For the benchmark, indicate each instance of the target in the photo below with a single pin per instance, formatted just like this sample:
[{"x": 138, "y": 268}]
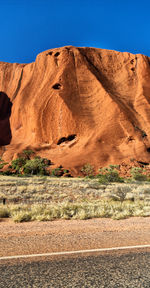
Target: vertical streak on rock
[{"x": 18, "y": 87}]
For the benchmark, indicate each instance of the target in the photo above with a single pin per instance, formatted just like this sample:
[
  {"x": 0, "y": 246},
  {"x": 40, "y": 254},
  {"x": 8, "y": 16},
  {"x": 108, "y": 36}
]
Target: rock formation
[{"x": 76, "y": 106}]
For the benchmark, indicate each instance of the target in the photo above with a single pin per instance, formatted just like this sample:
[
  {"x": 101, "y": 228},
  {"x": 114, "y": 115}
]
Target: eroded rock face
[{"x": 100, "y": 96}]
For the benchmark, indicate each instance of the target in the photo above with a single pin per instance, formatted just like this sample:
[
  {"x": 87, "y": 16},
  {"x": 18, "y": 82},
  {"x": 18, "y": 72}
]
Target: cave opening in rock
[
  {"x": 5, "y": 112},
  {"x": 66, "y": 139},
  {"x": 148, "y": 149},
  {"x": 61, "y": 140},
  {"x": 56, "y": 86},
  {"x": 71, "y": 137},
  {"x": 57, "y": 54},
  {"x": 50, "y": 53}
]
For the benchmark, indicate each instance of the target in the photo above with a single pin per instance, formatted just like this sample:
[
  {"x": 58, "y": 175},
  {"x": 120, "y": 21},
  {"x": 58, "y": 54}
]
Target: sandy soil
[{"x": 62, "y": 235}]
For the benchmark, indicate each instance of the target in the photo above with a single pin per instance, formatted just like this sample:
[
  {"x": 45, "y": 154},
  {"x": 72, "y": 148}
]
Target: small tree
[{"x": 35, "y": 166}]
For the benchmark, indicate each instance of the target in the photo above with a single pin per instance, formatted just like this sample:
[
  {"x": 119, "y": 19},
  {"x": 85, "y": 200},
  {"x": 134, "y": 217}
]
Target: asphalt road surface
[{"x": 118, "y": 269}]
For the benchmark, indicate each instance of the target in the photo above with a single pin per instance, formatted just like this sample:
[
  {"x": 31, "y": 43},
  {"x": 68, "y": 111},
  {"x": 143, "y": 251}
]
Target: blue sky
[{"x": 28, "y": 27}]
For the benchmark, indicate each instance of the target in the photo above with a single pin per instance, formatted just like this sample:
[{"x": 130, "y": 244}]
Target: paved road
[{"x": 130, "y": 269}]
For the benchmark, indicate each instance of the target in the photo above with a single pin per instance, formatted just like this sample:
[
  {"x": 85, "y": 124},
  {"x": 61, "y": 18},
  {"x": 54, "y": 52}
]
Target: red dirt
[
  {"x": 100, "y": 96},
  {"x": 63, "y": 235}
]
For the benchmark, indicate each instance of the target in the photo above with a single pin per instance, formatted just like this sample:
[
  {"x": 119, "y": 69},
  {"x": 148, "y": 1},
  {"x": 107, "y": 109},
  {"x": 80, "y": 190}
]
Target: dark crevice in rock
[
  {"x": 50, "y": 53},
  {"x": 66, "y": 139},
  {"x": 71, "y": 137},
  {"x": 143, "y": 163},
  {"x": 61, "y": 140},
  {"x": 130, "y": 138},
  {"x": 5, "y": 112},
  {"x": 132, "y": 61},
  {"x": 56, "y": 86},
  {"x": 143, "y": 133},
  {"x": 57, "y": 54}
]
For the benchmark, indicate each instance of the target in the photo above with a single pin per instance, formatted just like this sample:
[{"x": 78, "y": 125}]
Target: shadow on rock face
[{"x": 5, "y": 112}]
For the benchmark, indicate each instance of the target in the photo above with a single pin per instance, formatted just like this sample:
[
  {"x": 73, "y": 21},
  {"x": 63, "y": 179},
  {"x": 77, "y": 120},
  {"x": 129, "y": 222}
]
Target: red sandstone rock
[{"x": 100, "y": 97}]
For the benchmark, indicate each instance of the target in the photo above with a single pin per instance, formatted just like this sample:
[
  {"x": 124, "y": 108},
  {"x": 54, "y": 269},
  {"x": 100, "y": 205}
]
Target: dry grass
[
  {"x": 4, "y": 212},
  {"x": 71, "y": 199},
  {"x": 77, "y": 210},
  {"x": 46, "y": 189}
]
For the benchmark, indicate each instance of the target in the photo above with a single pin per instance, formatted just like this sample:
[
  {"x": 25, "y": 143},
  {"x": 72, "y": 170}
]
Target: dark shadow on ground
[{"x": 5, "y": 112}]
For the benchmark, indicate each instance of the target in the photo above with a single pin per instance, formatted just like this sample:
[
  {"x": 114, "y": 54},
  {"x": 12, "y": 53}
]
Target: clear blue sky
[{"x": 28, "y": 27}]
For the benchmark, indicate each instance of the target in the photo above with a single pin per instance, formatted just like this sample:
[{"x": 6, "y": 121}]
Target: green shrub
[
  {"x": 27, "y": 153},
  {"x": 88, "y": 170},
  {"x": 66, "y": 171},
  {"x": 113, "y": 166},
  {"x": 108, "y": 175},
  {"x": 57, "y": 172},
  {"x": 137, "y": 174},
  {"x": 35, "y": 166},
  {"x": 46, "y": 161},
  {"x": 7, "y": 172},
  {"x": 2, "y": 163},
  {"x": 30, "y": 166},
  {"x": 18, "y": 163},
  {"x": 102, "y": 179}
]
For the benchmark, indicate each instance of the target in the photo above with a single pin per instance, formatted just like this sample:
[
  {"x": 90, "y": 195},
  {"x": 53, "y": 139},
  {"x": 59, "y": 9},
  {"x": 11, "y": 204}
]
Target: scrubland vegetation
[
  {"x": 27, "y": 164},
  {"x": 77, "y": 210},
  {"x": 37, "y": 198}
]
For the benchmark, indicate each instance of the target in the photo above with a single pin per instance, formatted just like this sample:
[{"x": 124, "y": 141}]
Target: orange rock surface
[{"x": 76, "y": 106}]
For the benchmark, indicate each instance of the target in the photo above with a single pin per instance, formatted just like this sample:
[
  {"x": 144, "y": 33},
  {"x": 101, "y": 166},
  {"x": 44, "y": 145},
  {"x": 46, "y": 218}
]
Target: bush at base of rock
[
  {"x": 58, "y": 172},
  {"x": 25, "y": 165},
  {"x": 109, "y": 175},
  {"x": 18, "y": 163},
  {"x": 2, "y": 163},
  {"x": 87, "y": 170},
  {"x": 67, "y": 175},
  {"x": 35, "y": 167},
  {"x": 137, "y": 174}
]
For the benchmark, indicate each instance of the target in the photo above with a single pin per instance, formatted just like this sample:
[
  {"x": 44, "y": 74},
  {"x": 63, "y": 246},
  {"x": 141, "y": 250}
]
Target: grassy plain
[{"x": 47, "y": 199}]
